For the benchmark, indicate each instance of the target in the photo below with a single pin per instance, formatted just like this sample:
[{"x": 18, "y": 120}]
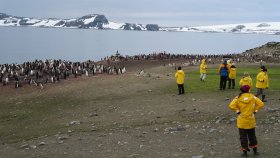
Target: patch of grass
[{"x": 193, "y": 83}]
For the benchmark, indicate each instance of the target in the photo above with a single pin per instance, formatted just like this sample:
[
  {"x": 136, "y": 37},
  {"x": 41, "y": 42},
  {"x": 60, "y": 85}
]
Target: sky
[{"x": 161, "y": 12}]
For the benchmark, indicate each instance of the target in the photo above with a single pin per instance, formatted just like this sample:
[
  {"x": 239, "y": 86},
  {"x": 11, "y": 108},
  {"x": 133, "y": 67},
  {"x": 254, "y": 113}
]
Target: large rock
[
  {"x": 152, "y": 27},
  {"x": 128, "y": 26},
  {"x": 3, "y": 15}
]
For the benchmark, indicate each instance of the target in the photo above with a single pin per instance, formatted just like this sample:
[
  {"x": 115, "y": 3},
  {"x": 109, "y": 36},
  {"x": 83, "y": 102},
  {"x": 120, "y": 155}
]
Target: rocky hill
[{"x": 270, "y": 49}]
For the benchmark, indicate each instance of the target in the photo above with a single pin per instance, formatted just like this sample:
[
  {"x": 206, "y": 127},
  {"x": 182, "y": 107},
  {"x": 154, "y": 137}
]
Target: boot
[
  {"x": 256, "y": 151},
  {"x": 244, "y": 154},
  {"x": 263, "y": 98}
]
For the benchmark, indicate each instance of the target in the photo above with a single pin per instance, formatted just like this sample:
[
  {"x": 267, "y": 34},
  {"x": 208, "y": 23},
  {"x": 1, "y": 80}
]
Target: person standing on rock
[
  {"x": 180, "y": 78},
  {"x": 223, "y": 72},
  {"x": 262, "y": 83},
  {"x": 231, "y": 76},
  {"x": 202, "y": 70},
  {"x": 246, "y": 105}
]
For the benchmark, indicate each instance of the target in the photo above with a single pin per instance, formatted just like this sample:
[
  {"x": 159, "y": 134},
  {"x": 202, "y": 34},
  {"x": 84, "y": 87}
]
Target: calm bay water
[{"x": 19, "y": 44}]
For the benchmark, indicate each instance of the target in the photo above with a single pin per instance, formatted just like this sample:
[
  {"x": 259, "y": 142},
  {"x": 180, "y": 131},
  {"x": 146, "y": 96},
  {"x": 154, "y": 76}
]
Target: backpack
[{"x": 224, "y": 71}]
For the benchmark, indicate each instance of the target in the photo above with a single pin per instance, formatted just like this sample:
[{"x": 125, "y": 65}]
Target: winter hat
[
  {"x": 225, "y": 61},
  {"x": 262, "y": 67},
  {"x": 245, "y": 88}
]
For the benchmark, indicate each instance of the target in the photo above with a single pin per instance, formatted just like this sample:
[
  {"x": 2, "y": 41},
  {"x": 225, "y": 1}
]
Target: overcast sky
[{"x": 162, "y": 12}]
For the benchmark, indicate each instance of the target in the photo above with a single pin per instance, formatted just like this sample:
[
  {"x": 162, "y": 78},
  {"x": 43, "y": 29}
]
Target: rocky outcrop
[
  {"x": 129, "y": 26},
  {"x": 270, "y": 49},
  {"x": 152, "y": 27},
  {"x": 238, "y": 28},
  {"x": 3, "y": 15}
]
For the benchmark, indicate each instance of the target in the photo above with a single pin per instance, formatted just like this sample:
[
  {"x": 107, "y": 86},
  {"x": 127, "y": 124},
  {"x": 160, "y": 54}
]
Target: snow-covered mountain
[
  {"x": 257, "y": 28},
  {"x": 91, "y": 21},
  {"x": 96, "y": 21}
]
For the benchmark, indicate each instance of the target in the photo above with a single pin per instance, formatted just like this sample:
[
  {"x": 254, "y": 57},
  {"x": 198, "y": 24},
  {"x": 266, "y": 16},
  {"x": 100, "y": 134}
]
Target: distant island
[{"x": 100, "y": 22}]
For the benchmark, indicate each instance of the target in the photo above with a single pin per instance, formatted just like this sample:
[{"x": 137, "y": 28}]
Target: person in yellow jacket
[
  {"x": 180, "y": 78},
  {"x": 202, "y": 70},
  {"x": 246, "y": 80},
  {"x": 262, "y": 83},
  {"x": 231, "y": 76},
  {"x": 246, "y": 105}
]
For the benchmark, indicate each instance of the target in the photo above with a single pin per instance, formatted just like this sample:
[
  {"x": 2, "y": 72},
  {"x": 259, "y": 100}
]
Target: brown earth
[{"x": 131, "y": 116}]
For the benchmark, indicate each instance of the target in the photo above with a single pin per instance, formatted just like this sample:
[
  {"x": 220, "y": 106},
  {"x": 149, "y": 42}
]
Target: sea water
[{"x": 19, "y": 44}]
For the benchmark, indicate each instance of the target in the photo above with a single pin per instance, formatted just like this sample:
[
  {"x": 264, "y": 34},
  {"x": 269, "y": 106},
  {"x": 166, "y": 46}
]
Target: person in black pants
[
  {"x": 223, "y": 72},
  {"x": 180, "y": 79},
  {"x": 246, "y": 105}
]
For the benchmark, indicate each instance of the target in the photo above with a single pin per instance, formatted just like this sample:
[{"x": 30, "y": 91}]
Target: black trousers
[
  {"x": 248, "y": 135},
  {"x": 181, "y": 89},
  {"x": 231, "y": 82},
  {"x": 223, "y": 82}
]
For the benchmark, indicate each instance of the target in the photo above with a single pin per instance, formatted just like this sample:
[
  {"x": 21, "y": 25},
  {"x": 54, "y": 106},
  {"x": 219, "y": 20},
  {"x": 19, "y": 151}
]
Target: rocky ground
[{"x": 133, "y": 115}]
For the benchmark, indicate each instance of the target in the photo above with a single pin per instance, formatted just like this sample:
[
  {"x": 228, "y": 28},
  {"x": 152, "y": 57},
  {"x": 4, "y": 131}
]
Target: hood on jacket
[
  {"x": 245, "y": 98},
  {"x": 246, "y": 78},
  {"x": 180, "y": 71},
  {"x": 203, "y": 61}
]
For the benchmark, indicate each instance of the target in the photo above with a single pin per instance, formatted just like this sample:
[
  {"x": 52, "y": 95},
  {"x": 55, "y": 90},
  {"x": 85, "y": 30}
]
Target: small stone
[
  {"x": 232, "y": 119},
  {"x": 93, "y": 114},
  {"x": 24, "y": 146},
  {"x": 212, "y": 130},
  {"x": 33, "y": 146},
  {"x": 156, "y": 129},
  {"x": 193, "y": 99},
  {"x": 200, "y": 156},
  {"x": 180, "y": 128},
  {"x": 62, "y": 137},
  {"x": 133, "y": 155},
  {"x": 75, "y": 122},
  {"x": 42, "y": 143}
]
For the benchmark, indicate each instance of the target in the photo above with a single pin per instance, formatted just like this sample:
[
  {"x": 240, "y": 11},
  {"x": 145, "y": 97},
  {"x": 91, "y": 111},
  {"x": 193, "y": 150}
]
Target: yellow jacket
[
  {"x": 180, "y": 76},
  {"x": 262, "y": 80},
  {"x": 232, "y": 73},
  {"x": 246, "y": 81},
  {"x": 203, "y": 67},
  {"x": 246, "y": 104}
]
